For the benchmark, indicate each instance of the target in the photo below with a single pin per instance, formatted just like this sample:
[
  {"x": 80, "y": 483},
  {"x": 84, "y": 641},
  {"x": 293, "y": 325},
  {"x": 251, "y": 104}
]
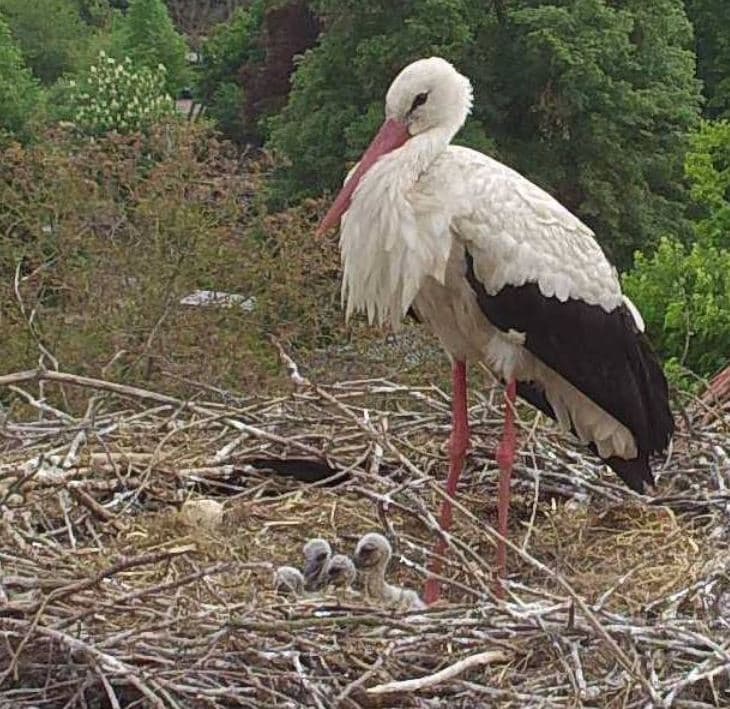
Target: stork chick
[
  {"x": 317, "y": 554},
  {"x": 372, "y": 555},
  {"x": 341, "y": 574},
  {"x": 288, "y": 581}
]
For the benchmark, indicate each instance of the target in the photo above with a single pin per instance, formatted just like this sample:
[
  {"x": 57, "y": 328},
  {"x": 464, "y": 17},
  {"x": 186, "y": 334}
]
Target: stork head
[
  {"x": 427, "y": 95},
  {"x": 372, "y": 551}
]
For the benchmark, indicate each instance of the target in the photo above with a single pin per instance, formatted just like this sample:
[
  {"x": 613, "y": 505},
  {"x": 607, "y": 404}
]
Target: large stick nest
[{"x": 108, "y": 597}]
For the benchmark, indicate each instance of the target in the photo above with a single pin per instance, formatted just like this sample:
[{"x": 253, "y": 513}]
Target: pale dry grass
[{"x": 614, "y": 599}]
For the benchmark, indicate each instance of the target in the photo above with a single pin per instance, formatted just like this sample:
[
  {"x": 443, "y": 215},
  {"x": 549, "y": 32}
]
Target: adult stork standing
[{"x": 503, "y": 274}]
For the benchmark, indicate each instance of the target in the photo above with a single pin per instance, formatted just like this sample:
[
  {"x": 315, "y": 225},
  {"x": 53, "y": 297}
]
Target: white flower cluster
[{"x": 119, "y": 96}]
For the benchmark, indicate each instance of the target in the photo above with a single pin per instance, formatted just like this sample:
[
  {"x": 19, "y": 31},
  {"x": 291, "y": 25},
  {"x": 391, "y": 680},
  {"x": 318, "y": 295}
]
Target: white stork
[{"x": 503, "y": 274}]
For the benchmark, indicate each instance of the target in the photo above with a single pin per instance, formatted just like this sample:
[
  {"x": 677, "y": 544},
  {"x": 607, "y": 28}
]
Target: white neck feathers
[{"x": 387, "y": 246}]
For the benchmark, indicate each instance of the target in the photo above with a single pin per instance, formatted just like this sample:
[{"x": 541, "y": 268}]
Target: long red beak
[{"x": 392, "y": 135}]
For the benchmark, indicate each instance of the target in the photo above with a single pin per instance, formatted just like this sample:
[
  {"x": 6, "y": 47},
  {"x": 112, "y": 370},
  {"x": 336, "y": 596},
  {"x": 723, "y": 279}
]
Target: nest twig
[{"x": 108, "y": 597}]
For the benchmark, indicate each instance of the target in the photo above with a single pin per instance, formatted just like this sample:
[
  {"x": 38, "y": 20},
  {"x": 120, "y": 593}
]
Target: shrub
[
  {"x": 684, "y": 295},
  {"x": 117, "y": 96},
  {"x": 111, "y": 234},
  {"x": 230, "y": 45},
  {"x": 225, "y": 107},
  {"x": 684, "y": 292},
  {"x": 95, "y": 13},
  {"x": 248, "y": 62}
]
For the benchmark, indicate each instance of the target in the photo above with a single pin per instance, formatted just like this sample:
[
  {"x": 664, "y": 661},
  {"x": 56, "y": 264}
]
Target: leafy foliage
[
  {"x": 196, "y": 18},
  {"x": 19, "y": 91},
  {"x": 601, "y": 117},
  {"x": 248, "y": 63},
  {"x": 112, "y": 233},
  {"x": 95, "y": 13},
  {"x": 230, "y": 46},
  {"x": 711, "y": 19},
  {"x": 151, "y": 39},
  {"x": 595, "y": 100},
  {"x": 589, "y": 98},
  {"x": 684, "y": 293},
  {"x": 337, "y": 92},
  {"x": 708, "y": 169},
  {"x": 117, "y": 96},
  {"x": 51, "y": 35}
]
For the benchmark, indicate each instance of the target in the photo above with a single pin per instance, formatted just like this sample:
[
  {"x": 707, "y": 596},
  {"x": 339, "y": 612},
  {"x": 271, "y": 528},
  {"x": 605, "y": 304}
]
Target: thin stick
[{"x": 448, "y": 673}]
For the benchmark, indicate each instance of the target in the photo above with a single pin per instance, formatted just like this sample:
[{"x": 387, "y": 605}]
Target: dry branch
[
  {"x": 108, "y": 597},
  {"x": 448, "y": 673}
]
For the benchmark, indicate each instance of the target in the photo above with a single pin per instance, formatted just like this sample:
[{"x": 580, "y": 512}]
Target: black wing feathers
[
  {"x": 601, "y": 353},
  {"x": 635, "y": 473}
]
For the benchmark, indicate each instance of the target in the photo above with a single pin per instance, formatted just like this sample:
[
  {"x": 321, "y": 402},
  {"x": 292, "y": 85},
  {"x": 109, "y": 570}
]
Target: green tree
[
  {"x": 231, "y": 45},
  {"x": 95, "y": 13},
  {"x": 711, "y": 19},
  {"x": 684, "y": 293},
  {"x": 708, "y": 169},
  {"x": 684, "y": 296},
  {"x": 247, "y": 63},
  {"x": 19, "y": 90},
  {"x": 592, "y": 99},
  {"x": 151, "y": 39},
  {"x": 337, "y": 93},
  {"x": 51, "y": 35}
]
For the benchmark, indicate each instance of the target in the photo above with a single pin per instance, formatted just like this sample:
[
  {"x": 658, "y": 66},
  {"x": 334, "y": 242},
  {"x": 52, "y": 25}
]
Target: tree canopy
[
  {"x": 708, "y": 169},
  {"x": 51, "y": 35},
  {"x": 711, "y": 20},
  {"x": 248, "y": 61},
  {"x": 684, "y": 292},
  {"x": 619, "y": 108},
  {"x": 150, "y": 39},
  {"x": 19, "y": 91},
  {"x": 590, "y": 99},
  {"x": 231, "y": 46}
]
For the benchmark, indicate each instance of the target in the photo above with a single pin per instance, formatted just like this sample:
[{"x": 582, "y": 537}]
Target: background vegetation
[{"x": 113, "y": 207}]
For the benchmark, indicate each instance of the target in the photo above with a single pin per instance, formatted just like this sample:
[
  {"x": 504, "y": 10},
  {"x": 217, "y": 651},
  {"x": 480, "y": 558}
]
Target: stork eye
[{"x": 419, "y": 101}]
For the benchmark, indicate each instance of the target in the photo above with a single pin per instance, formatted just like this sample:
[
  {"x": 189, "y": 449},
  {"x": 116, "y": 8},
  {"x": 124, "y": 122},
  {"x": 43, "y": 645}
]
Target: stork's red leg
[
  {"x": 457, "y": 452},
  {"x": 505, "y": 460}
]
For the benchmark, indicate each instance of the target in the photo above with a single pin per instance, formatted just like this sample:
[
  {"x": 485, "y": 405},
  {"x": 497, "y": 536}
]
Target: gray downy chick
[
  {"x": 288, "y": 581},
  {"x": 372, "y": 555},
  {"x": 317, "y": 554},
  {"x": 341, "y": 572}
]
